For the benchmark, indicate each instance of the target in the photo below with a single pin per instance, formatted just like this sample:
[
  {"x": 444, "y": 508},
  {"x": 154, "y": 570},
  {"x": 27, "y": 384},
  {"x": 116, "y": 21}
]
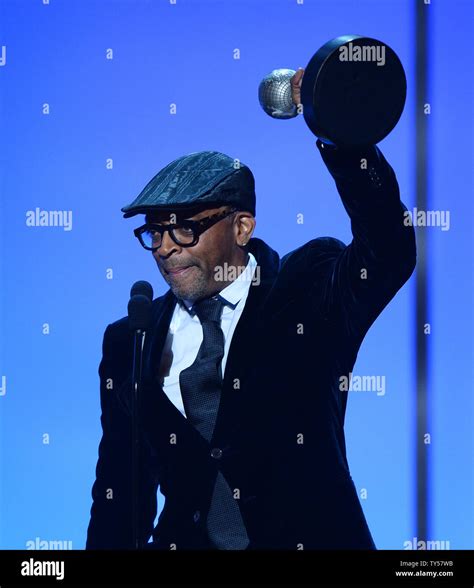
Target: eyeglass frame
[{"x": 198, "y": 227}]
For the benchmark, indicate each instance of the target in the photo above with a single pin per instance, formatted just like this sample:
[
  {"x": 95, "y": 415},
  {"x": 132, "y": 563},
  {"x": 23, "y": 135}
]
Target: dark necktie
[{"x": 201, "y": 386}]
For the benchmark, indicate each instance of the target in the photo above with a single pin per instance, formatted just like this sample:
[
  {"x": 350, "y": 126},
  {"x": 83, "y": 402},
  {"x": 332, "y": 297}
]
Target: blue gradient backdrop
[{"x": 119, "y": 109}]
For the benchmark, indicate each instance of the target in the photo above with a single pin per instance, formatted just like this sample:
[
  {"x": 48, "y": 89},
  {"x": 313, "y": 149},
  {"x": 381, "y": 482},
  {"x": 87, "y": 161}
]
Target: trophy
[{"x": 352, "y": 93}]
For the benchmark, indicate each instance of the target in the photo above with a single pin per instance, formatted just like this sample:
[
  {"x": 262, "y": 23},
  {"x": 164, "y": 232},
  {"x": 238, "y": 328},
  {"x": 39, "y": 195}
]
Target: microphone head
[
  {"x": 274, "y": 94},
  {"x": 139, "y": 312},
  {"x": 143, "y": 288}
]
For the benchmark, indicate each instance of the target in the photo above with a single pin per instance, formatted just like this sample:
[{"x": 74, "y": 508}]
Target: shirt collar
[{"x": 234, "y": 292}]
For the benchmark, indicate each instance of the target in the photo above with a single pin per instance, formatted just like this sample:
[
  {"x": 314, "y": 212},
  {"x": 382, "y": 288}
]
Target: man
[{"x": 242, "y": 412}]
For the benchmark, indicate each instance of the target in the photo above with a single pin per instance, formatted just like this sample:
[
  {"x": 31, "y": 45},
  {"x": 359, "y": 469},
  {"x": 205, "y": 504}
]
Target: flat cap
[{"x": 204, "y": 178}]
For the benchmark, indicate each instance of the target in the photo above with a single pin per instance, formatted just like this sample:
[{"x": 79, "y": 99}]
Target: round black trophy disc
[{"x": 353, "y": 91}]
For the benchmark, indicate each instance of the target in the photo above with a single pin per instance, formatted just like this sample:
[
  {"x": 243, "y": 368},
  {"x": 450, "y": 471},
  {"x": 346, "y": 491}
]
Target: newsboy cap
[{"x": 201, "y": 178}]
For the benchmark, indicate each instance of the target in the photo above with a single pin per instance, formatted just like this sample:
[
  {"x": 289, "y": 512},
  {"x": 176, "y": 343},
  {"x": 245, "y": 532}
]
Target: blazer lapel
[
  {"x": 156, "y": 337},
  {"x": 162, "y": 312},
  {"x": 246, "y": 338}
]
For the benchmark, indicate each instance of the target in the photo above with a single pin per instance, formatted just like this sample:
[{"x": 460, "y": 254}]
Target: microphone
[
  {"x": 139, "y": 319},
  {"x": 142, "y": 287},
  {"x": 139, "y": 306}
]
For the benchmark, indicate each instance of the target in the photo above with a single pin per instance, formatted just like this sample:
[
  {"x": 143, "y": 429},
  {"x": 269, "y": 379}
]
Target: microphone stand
[
  {"x": 139, "y": 317},
  {"x": 139, "y": 339}
]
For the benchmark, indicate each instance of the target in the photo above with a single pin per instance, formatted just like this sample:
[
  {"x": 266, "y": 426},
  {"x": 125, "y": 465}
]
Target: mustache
[{"x": 177, "y": 265}]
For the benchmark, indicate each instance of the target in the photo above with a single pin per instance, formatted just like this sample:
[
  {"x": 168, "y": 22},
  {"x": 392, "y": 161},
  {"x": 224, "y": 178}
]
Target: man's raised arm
[{"x": 352, "y": 285}]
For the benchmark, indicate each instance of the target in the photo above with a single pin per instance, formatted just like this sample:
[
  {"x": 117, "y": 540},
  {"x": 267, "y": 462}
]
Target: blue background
[{"x": 182, "y": 54}]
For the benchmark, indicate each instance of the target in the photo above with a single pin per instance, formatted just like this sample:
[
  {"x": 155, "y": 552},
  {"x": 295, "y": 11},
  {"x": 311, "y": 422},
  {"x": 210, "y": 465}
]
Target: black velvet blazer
[{"x": 281, "y": 419}]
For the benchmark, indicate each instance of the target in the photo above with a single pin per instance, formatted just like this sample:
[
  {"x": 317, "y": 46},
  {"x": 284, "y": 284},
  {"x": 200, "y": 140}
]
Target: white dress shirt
[{"x": 185, "y": 333}]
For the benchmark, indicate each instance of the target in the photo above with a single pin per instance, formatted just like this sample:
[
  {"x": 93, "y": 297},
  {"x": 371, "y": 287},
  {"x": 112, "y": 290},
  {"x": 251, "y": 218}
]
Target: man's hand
[{"x": 296, "y": 86}]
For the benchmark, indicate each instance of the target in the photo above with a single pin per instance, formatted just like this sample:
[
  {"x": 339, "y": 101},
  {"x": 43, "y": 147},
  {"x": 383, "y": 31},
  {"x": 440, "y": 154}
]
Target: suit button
[
  {"x": 216, "y": 453},
  {"x": 374, "y": 177},
  {"x": 196, "y": 516}
]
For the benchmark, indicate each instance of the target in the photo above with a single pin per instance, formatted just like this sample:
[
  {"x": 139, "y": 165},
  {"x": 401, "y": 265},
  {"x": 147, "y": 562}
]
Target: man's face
[{"x": 218, "y": 245}]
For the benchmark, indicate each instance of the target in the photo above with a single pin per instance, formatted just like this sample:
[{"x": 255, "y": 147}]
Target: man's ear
[{"x": 246, "y": 220}]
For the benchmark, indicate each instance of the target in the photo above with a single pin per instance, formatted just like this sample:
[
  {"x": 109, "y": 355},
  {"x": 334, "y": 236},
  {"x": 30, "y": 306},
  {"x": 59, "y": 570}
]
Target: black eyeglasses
[{"x": 185, "y": 234}]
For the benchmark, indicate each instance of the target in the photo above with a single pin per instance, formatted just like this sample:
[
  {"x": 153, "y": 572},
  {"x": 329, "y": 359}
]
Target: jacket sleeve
[
  {"x": 110, "y": 525},
  {"x": 352, "y": 284}
]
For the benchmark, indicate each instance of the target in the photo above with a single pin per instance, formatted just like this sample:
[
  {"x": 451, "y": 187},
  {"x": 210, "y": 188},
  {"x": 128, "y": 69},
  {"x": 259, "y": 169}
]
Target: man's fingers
[
  {"x": 295, "y": 86},
  {"x": 296, "y": 79}
]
